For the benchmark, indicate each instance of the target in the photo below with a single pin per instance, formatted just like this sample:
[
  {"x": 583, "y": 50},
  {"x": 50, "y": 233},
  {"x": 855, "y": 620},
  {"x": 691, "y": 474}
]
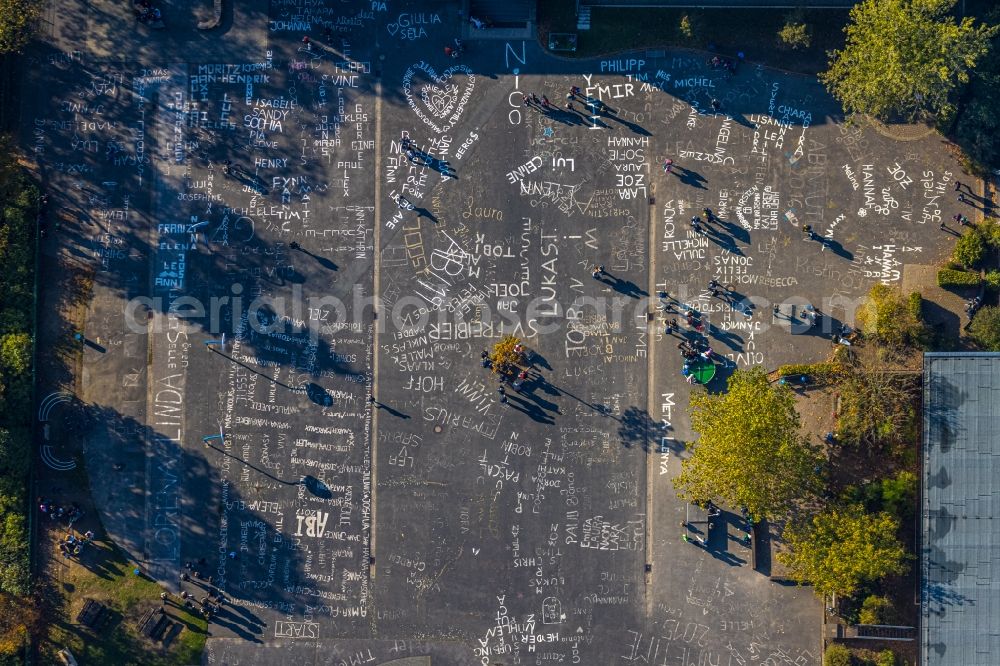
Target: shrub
[
  {"x": 796, "y": 33},
  {"x": 914, "y": 305},
  {"x": 984, "y": 328},
  {"x": 886, "y": 658},
  {"x": 877, "y": 610},
  {"x": 970, "y": 249},
  {"x": 951, "y": 278},
  {"x": 993, "y": 280},
  {"x": 837, "y": 655}
]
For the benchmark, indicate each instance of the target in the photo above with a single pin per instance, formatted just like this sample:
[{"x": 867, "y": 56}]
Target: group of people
[
  {"x": 146, "y": 13},
  {"x": 715, "y": 62},
  {"x": 208, "y": 604},
  {"x": 72, "y": 545},
  {"x": 454, "y": 51},
  {"x": 54, "y": 511}
]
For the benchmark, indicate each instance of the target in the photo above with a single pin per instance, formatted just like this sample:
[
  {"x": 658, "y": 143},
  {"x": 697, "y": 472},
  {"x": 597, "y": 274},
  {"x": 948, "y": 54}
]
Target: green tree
[
  {"x": 796, "y": 33},
  {"x": 19, "y": 620},
  {"x": 17, "y": 21},
  {"x": 904, "y": 57},
  {"x": 837, "y": 655},
  {"x": 877, "y": 610},
  {"x": 15, "y": 353},
  {"x": 970, "y": 249},
  {"x": 899, "y": 494},
  {"x": 877, "y": 407},
  {"x": 886, "y": 317},
  {"x": 15, "y": 452},
  {"x": 840, "y": 549},
  {"x": 985, "y": 328},
  {"x": 749, "y": 451},
  {"x": 505, "y": 357}
]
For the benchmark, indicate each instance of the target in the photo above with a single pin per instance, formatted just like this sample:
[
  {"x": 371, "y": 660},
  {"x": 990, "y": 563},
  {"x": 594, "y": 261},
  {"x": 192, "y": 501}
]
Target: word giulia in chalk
[
  {"x": 315, "y": 524},
  {"x": 411, "y": 26}
]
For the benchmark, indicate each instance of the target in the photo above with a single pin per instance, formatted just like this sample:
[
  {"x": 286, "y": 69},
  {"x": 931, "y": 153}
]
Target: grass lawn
[
  {"x": 725, "y": 31},
  {"x": 103, "y": 573}
]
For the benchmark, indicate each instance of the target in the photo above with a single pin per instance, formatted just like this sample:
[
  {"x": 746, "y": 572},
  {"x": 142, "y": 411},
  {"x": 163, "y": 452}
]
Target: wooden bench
[
  {"x": 93, "y": 614},
  {"x": 153, "y": 624},
  {"x": 215, "y": 19}
]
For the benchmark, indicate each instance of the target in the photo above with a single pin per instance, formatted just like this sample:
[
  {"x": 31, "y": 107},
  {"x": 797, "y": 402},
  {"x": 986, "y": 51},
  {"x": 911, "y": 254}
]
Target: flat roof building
[{"x": 960, "y": 510}]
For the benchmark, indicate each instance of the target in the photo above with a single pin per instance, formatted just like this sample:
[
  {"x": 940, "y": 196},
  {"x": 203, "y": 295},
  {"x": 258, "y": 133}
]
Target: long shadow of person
[
  {"x": 626, "y": 287},
  {"x": 322, "y": 261},
  {"x": 689, "y": 177}
]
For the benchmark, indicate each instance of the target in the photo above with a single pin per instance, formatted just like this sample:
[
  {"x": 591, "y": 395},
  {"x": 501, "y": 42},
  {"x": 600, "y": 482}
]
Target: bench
[
  {"x": 153, "y": 624},
  {"x": 93, "y": 614},
  {"x": 215, "y": 19}
]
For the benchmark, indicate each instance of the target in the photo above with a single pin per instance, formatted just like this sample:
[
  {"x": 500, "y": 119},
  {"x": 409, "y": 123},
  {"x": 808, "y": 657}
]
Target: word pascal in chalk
[{"x": 624, "y": 65}]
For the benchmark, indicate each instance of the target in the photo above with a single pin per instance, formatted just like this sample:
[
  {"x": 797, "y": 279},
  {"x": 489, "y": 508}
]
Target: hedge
[
  {"x": 815, "y": 371},
  {"x": 951, "y": 278},
  {"x": 993, "y": 280},
  {"x": 914, "y": 303}
]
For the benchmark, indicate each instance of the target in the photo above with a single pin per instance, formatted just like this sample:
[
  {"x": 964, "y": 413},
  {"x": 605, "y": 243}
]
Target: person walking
[
  {"x": 709, "y": 215},
  {"x": 308, "y": 43},
  {"x": 574, "y": 91},
  {"x": 668, "y": 165}
]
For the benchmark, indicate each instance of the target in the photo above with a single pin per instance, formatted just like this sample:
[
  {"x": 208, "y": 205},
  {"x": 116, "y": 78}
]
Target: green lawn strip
[
  {"x": 109, "y": 579},
  {"x": 725, "y": 31}
]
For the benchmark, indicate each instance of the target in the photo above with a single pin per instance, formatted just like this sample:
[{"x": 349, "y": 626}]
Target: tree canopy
[
  {"x": 886, "y": 316},
  {"x": 985, "y": 328},
  {"x": 749, "y": 452},
  {"x": 904, "y": 57},
  {"x": 840, "y": 549},
  {"x": 17, "y": 21}
]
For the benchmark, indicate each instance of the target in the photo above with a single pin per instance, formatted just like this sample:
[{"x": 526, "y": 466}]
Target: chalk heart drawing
[{"x": 443, "y": 100}]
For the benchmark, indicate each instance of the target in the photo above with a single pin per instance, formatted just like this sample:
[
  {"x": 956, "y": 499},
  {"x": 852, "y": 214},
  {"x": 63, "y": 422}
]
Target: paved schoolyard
[{"x": 436, "y": 520}]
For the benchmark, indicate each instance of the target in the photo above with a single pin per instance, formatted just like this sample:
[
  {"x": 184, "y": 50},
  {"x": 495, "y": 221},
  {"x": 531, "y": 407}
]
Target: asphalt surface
[{"x": 342, "y": 465}]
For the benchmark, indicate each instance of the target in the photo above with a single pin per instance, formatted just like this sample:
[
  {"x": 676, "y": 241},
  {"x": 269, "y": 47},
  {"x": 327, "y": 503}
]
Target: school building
[{"x": 960, "y": 499}]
